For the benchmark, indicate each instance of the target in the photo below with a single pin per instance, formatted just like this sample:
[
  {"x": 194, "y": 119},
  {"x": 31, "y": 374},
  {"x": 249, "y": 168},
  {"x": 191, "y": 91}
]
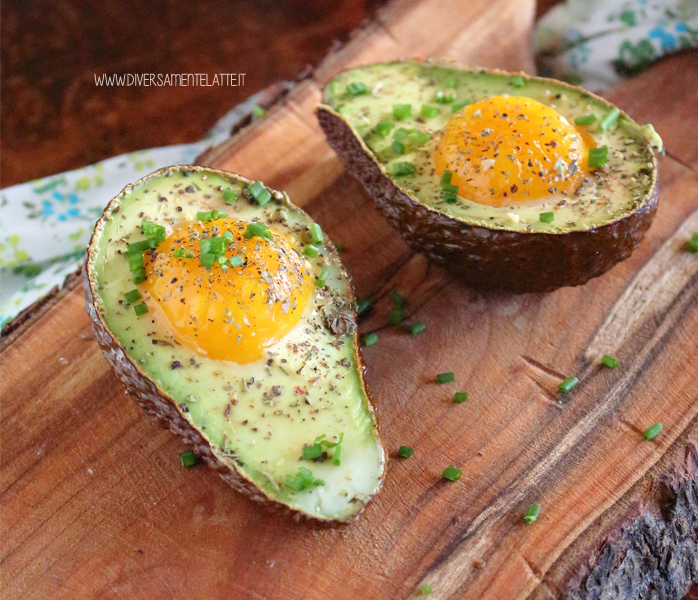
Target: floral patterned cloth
[
  {"x": 46, "y": 224},
  {"x": 594, "y": 43}
]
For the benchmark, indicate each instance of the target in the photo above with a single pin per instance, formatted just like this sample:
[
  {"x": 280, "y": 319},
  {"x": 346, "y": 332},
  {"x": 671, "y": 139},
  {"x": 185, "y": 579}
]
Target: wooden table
[{"x": 95, "y": 503}]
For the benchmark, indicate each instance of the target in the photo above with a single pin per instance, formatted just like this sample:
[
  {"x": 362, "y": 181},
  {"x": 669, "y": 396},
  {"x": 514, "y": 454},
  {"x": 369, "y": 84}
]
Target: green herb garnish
[
  {"x": 445, "y": 97},
  {"x": 140, "y": 246},
  {"x": 416, "y": 328},
  {"x": 311, "y": 251},
  {"x": 315, "y": 451},
  {"x": 182, "y": 253},
  {"x": 567, "y": 384},
  {"x": 132, "y": 296},
  {"x": 430, "y": 111},
  {"x": 396, "y": 316},
  {"x": 397, "y": 298},
  {"x": 425, "y": 590},
  {"x": 322, "y": 278},
  {"x": 692, "y": 245},
  {"x": 532, "y": 513},
  {"x": 236, "y": 261},
  {"x": 452, "y": 473},
  {"x": 140, "y": 309},
  {"x": 257, "y": 230},
  {"x": 517, "y": 82},
  {"x": 460, "y": 397},
  {"x": 257, "y": 111},
  {"x": 445, "y": 377},
  {"x": 402, "y": 111},
  {"x": 653, "y": 432},
  {"x": 446, "y": 177},
  {"x": 610, "y": 120},
  {"x": 609, "y": 361},
  {"x": 303, "y": 480},
  {"x": 259, "y": 192},
  {"x": 230, "y": 195},
  {"x": 547, "y": 217},
  {"x": 585, "y": 120},
  {"x": 383, "y": 128},
  {"x": 188, "y": 458},
  {"x": 357, "y": 88},
  {"x": 207, "y": 260},
  {"x": 598, "y": 157},
  {"x": 363, "y": 305},
  {"x": 316, "y": 234},
  {"x": 397, "y": 147},
  {"x": 405, "y": 451},
  {"x": 458, "y": 105},
  {"x": 401, "y": 169},
  {"x": 369, "y": 339}
]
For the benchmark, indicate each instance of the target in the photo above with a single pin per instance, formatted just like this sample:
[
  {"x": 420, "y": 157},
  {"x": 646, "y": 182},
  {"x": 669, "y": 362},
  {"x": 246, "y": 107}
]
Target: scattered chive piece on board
[{"x": 532, "y": 513}]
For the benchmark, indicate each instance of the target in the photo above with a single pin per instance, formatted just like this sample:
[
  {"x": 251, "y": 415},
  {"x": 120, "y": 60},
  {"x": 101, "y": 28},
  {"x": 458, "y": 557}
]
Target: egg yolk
[
  {"x": 231, "y": 314},
  {"x": 507, "y": 150}
]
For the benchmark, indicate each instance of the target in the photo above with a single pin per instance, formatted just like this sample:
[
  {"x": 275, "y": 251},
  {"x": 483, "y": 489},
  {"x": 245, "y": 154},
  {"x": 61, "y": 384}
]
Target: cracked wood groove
[{"x": 95, "y": 503}]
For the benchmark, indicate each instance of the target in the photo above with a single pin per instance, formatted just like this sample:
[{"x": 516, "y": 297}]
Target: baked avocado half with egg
[
  {"x": 226, "y": 312},
  {"x": 508, "y": 181}
]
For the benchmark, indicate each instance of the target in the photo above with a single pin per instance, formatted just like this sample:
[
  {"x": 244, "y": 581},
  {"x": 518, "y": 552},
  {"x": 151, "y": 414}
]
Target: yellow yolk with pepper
[
  {"x": 231, "y": 314},
  {"x": 507, "y": 150}
]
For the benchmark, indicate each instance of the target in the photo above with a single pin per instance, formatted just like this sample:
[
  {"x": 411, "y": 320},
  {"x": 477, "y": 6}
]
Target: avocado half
[
  {"x": 509, "y": 247},
  {"x": 295, "y": 428}
]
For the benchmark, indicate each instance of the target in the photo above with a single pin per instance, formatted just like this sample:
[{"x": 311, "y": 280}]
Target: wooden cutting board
[{"x": 95, "y": 503}]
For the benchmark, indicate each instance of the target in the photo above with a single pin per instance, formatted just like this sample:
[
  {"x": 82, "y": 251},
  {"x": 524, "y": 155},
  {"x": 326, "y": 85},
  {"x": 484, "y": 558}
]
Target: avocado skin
[
  {"x": 157, "y": 403},
  {"x": 513, "y": 261}
]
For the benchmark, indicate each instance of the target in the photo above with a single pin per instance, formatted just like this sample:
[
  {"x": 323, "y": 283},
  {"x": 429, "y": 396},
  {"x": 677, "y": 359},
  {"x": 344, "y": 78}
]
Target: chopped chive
[
  {"x": 450, "y": 197},
  {"x": 221, "y": 260},
  {"x": 339, "y": 248},
  {"x": 312, "y": 452},
  {"x": 259, "y": 192},
  {"x": 138, "y": 246},
  {"x": 446, "y": 177},
  {"x": 402, "y": 111},
  {"x": 357, "y": 88},
  {"x": 458, "y": 105},
  {"x": 203, "y": 216},
  {"x": 138, "y": 276},
  {"x": 445, "y": 377},
  {"x": 369, "y": 339},
  {"x": 257, "y": 111},
  {"x": 204, "y": 245},
  {"x": 397, "y": 298},
  {"x": 236, "y": 261},
  {"x": 228, "y": 236},
  {"x": 302, "y": 480},
  {"x": 337, "y": 456},
  {"x": 405, "y": 451},
  {"x": 398, "y": 147},
  {"x": 401, "y": 169},
  {"x": 363, "y": 306},
  {"x": 585, "y": 120},
  {"x": 316, "y": 234},
  {"x": 652, "y": 432},
  {"x": 217, "y": 245},
  {"x": 452, "y": 473},
  {"x": 419, "y": 137},
  {"x": 567, "y": 384},
  {"x": 547, "y": 217},
  {"x": 532, "y": 513},
  {"x": 140, "y": 309},
  {"x": 188, "y": 458},
  {"x": 430, "y": 111},
  {"x": 322, "y": 278},
  {"x": 400, "y": 134},
  {"x": 610, "y": 120},
  {"x": 425, "y": 590},
  {"x": 416, "y": 328},
  {"x": 182, "y": 253},
  {"x": 445, "y": 97},
  {"x": 153, "y": 231},
  {"x": 257, "y": 230},
  {"x": 692, "y": 244},
  {"x": 517, "y": 82},
  {"x": 230, "y": 195},
  {"x": 135, "y": 260},
  {"x": 598, "y": 157},
  {"x": 383, "y": 128},
  {"x": 311, "y": 251},
  {"x": 218, "y": 214},
  {"x": 449, "y": 188},
  {"x": 460, "y": 397},
  {"x": 132, "y": 296},
  {"x": 396, "y": 316},
  {"x": 207, "y": 260},
  {"x": 609, "y": 361}
]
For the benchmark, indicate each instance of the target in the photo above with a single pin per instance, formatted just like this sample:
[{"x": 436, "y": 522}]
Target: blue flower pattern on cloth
[{"x": 46, "y": 224}]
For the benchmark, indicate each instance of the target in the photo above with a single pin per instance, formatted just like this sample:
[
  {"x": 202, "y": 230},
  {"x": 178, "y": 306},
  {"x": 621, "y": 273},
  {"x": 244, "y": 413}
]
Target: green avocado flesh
[
  {"x": 365, "y": 97},
  {"x": 259, "y": 416}
]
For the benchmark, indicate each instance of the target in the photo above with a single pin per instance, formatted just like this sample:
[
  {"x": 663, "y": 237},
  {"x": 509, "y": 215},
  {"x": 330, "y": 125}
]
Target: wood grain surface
[{"x": 96, "y": 505}]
